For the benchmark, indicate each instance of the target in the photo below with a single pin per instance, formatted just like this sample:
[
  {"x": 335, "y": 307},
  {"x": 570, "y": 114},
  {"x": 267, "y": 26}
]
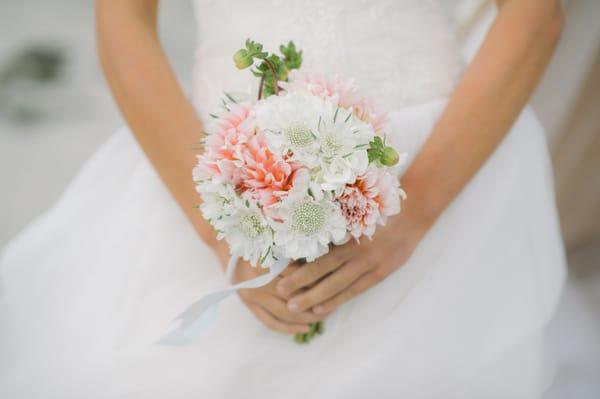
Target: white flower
[
  {"x": 217, "y": 198},
  {"x": 289, "y": 122},
  {"x": 329, "y": 140},
  {"x": 247, "y": 232},
  {"x": 344, "y": 141},
  {"x": 307, "y": 226},
  {"x": 340, "y": 134}
]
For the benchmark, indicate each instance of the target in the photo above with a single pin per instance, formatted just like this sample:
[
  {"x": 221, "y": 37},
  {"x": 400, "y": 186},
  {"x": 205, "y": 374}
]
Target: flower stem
[
  {"x": 271, "y": 67},
  {"x": 315, "y": 329},
  {"x": 260, "y": 86},
  {"x": 275, "y": 80}
]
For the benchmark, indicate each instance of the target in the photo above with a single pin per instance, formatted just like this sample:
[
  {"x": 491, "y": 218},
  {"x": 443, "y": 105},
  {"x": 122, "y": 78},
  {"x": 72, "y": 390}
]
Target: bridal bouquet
[{"x": 303, "y": 167}]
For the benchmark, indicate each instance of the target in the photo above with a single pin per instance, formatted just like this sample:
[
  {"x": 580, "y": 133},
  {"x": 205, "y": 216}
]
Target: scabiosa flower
[
  {"x": 370, "y": 200},
  {"x": 308, "y": 225},
  {"x": 247, "y": 232},
  {"x": 316, "y": 133},
  {"x": 289, "y": 123},
  {"x": 343, "y": 142}
]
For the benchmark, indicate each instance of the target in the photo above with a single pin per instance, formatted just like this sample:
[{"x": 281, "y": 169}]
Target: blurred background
[{"x": 55, "y": 110}]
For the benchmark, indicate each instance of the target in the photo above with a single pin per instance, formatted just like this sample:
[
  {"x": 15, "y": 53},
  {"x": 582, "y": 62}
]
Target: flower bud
[
  {"x": 389, "y": 156},
  {"x": 242, "y": 59}
]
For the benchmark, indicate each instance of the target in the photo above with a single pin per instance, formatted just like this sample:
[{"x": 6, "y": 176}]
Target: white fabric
[
  {"x": 401, "y": 51},
  {"x": 89, "y": 287},
  {"x": 201, "y": 315}
]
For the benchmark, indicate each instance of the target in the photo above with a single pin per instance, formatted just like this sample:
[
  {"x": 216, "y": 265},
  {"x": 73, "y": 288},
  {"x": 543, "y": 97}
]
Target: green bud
[
  {"x": 389, "y": 156},
  {"x": 242, "y": 59}
]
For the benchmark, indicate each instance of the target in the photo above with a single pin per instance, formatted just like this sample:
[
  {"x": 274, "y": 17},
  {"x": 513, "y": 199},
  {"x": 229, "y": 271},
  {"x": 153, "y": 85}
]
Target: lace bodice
[{"x": 401, "y": 51}]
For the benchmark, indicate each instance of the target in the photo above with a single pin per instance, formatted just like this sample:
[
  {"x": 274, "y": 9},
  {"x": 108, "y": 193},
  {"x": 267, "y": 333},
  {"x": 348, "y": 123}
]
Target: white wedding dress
[{"x": 89, "y": 287}]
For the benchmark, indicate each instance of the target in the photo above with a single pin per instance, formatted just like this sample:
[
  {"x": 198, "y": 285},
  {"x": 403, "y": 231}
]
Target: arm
[
  {"x": 166, "y": 126},
  {"x": 149, "y": 97},
  {"x": 488, "y": 99}
]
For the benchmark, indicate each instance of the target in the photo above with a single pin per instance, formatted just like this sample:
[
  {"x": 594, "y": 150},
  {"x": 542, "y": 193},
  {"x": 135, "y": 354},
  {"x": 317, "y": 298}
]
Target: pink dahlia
[
  {"x": 365, "y": 110},
  {"x": 345, "y": 93},
  {"x": 370, "y": 200},
  {"x": 220, "y": 159},
  {"x": 265, "y": 177},
  {"x": 319, "y": 85}
]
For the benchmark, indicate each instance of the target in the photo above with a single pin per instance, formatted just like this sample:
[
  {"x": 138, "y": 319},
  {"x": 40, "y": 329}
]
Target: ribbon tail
[{"x": 203, "y": 313}]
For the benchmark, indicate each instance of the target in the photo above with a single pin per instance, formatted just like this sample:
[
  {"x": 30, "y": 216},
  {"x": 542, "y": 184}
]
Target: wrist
[
  {"x": 424, "y": 203},
  {"x": 415, "y": 215}
]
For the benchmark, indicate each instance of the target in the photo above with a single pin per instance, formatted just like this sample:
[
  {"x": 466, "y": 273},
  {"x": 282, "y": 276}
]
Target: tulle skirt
[{"x": 89, "y": 287}]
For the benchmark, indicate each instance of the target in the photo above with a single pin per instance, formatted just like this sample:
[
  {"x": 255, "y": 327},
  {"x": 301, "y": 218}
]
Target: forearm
[
  {"x": 150, "y": 99},
  {"x": 486, "y": 102}
]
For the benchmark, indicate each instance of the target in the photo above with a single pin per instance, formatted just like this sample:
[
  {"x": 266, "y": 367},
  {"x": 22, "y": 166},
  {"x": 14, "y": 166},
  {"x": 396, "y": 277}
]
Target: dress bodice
[{"x": 403, "y": 52}]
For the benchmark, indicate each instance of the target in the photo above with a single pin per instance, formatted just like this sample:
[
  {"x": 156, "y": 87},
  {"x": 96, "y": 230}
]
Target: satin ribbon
[{"x": 203, "y": 313}]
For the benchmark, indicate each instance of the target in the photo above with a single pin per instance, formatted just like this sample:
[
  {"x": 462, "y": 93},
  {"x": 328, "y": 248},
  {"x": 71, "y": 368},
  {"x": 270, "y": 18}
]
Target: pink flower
[
  {"x": 265, "y": 177},
  {"x": 220, "y": 159},
  {"x": 345, "y": 93},
  {"x": 236, "y": 153},
  {"x": 370, "y": 200},
  {"x": 365, "y": 110}
]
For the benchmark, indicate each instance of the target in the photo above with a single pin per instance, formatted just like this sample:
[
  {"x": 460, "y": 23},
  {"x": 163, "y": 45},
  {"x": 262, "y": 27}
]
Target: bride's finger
[
  {"x": 280, "y": 310},
  {"x": 329, "y": 287},
  {"x": 291, "y": 268},
  {"x": 277, "y": 325},
  {"x": 365, "y": 282},
  {"x": 311, "y": 272}
]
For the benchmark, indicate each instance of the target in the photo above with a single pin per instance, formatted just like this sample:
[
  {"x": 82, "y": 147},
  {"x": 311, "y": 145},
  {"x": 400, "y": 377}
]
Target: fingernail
[{"x": 293, "y": 306}]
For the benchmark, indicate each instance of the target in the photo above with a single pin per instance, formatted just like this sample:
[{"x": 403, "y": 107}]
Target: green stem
[
  {"x": 262, "y": 79},
  {"x": 260, "y": 86},
  {"x": 275, "y": 80},
  {"x": 315, "y": 329}
]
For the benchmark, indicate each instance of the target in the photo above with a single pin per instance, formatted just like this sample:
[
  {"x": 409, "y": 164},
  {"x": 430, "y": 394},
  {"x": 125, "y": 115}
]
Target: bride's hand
[
  {"x": 268, "y": 306},
  {"x": 350, "y": 269}
]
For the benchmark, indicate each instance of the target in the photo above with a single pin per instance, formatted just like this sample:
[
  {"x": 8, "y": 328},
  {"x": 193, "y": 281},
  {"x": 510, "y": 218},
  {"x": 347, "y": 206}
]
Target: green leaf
[
  {"x": 262, "y": 260},
  {"x": 377, "y": 142},
  {"x": 292, "y": 57},
  {"x": 229, "y": 97},
  {"x": 348, "y": 117},
  {"x": 373, "y": 155}
]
